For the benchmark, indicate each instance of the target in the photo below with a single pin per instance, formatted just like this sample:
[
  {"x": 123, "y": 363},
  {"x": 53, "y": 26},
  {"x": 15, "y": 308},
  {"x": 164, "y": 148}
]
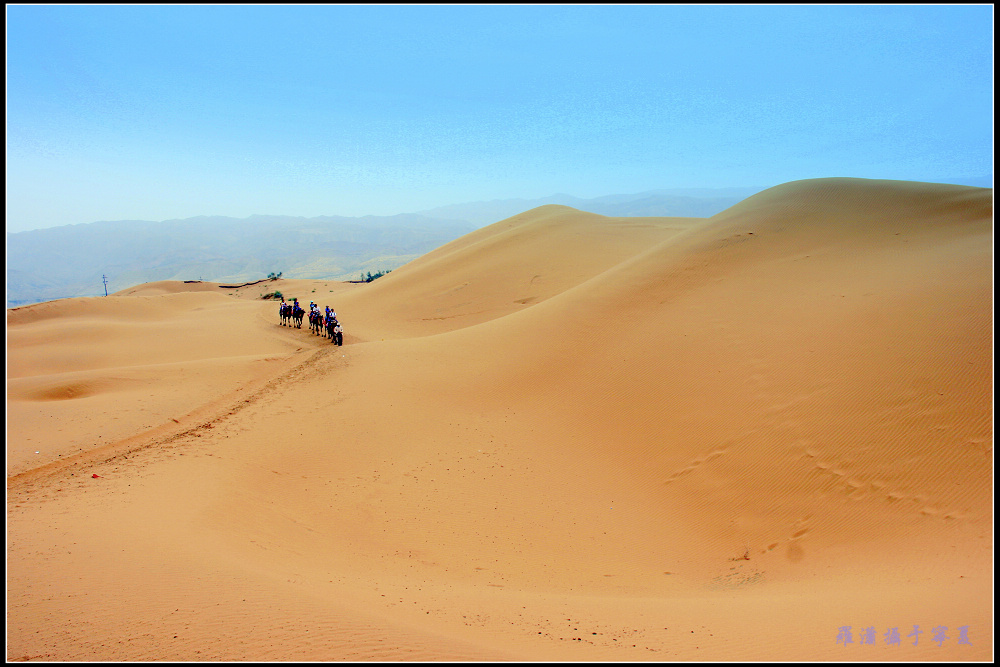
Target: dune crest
[{"x": 504, "y": 268}]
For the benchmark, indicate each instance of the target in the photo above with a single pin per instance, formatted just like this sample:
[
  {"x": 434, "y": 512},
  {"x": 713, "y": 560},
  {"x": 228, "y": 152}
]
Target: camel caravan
[{"x": 321, "y": 324}]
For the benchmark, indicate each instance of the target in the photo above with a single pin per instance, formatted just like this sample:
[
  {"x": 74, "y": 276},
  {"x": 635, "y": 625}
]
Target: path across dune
[{"x": 563, "y": 437}]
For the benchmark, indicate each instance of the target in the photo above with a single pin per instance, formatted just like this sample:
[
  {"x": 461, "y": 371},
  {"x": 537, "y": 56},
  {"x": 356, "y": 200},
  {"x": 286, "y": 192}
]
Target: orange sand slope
[{"x": 561, "y": 437}]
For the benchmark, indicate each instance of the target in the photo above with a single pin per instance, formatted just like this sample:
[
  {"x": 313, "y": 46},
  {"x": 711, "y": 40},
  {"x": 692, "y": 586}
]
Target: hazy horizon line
[{"x": 971, "y": 181}]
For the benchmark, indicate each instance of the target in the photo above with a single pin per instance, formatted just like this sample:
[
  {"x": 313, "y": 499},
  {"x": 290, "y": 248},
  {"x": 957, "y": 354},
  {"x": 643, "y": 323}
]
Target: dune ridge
[{"x": 561, "y": 437}]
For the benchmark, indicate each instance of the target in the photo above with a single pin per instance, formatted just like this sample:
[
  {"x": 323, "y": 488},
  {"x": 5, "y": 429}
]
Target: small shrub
[{"x": 372, "y": 276}]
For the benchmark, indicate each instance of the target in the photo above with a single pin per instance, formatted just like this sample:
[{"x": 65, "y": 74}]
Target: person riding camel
[{"x": 338, "y": 332}]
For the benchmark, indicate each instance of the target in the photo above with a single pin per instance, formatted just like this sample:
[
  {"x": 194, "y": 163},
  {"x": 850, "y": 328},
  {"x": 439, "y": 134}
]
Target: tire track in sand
[{"x": 195, "y": 423}]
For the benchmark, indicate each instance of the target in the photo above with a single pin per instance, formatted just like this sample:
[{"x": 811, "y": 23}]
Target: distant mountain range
[{"x": 72, "y": 260}]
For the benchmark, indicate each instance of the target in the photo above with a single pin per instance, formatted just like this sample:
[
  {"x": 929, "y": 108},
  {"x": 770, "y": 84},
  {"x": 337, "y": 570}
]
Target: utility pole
[{"x": 105, "y": 279}]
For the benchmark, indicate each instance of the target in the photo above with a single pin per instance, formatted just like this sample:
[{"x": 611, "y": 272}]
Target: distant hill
[{"x": 70, "y": 261}]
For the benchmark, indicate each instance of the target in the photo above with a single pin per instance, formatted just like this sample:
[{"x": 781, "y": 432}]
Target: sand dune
[{"x": 561, "y": 437}]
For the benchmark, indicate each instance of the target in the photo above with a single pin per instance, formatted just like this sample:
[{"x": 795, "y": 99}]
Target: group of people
[{"x": 318, "y": 322}]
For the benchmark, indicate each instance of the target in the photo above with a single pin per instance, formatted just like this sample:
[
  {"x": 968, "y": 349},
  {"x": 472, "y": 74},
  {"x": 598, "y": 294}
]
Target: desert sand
[{"x": 563, "y": 437}]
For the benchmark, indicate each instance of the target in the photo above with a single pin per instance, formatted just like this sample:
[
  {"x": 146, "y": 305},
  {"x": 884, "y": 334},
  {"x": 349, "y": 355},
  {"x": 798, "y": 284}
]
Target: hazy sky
[{"x": 157, "y": 112}]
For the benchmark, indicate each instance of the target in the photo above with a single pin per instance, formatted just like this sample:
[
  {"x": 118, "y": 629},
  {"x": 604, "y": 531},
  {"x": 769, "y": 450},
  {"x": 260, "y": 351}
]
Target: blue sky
[{"x": 155, "y": 112}]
